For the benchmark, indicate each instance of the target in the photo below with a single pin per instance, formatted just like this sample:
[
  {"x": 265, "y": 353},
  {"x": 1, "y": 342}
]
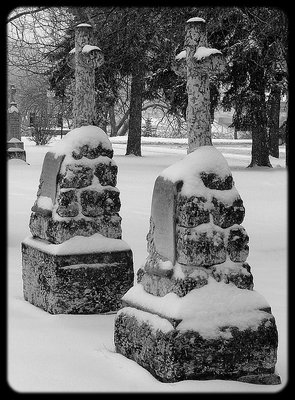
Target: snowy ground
[{"x": 72, "y": 353}]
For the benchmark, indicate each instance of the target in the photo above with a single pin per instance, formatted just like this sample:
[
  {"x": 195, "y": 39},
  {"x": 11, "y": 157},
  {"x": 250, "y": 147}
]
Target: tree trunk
[
  {"x": 134, "y": 136},
  {"x": 112, "y": 121},
  {"x": 258, "y": 112},
  {"x": 274, "y": 120}
]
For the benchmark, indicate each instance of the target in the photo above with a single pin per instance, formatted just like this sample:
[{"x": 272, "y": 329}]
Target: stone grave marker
[
  {"x": 76, "y": 262},
  {"x": 15, "y": 146},
  {"x": 197, "y": 63},
  {"x": 194, "y": 313}
]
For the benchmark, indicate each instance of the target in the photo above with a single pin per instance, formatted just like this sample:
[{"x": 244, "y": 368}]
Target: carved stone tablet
[
  {"x": 163, "y": 215},
  {"x": 48, "y": 179}
]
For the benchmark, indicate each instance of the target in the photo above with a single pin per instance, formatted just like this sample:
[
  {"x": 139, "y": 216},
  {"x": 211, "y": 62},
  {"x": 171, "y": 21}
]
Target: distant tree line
[{"x": 139, "y": 46}]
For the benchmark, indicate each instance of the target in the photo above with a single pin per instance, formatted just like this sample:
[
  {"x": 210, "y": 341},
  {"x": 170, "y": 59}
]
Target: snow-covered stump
[
  {"x": 193, "y": 313},
  {"x": 75, "y": 261}
]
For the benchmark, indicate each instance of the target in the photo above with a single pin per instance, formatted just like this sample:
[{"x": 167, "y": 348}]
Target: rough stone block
[
  {"x": 162, "y": 285},
  {"x": 200, "y": 248},
  {"x": 191, "y": 211},
  {"x": 92, "y": 152},
  {"x": 173, "y": 355},
  {"x": 67, "y": 203},
  {"x": 240, "y": 275},
  {"x": 76, "y": 176},
  {"x": 95, "y": 203},
  {"x": 57, "y": 231},
  {"x": 106, "y": 173},
  {"x": 14, "y": 142},
  {"x": 16, "y": 152},
  {"x": 76, "y": 283},
  {"x": 225, "y": 215},
  {"x": 237, "y": 244},
  {"x": 213, "y": 181}
]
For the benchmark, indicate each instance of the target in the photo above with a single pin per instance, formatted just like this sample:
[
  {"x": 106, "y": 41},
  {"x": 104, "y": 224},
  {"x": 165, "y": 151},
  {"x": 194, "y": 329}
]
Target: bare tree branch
[{"x": 20, "y": 14}]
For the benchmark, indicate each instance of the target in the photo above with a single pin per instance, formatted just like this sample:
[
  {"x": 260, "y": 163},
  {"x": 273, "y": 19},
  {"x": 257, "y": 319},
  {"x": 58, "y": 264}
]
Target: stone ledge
[{"x": 76, "y": 283}]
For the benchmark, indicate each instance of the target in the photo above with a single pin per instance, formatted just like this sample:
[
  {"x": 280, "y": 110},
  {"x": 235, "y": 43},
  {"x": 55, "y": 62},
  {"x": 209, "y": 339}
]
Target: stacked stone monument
[
  {"x": 193, "y": 313},
  {"x": 15, "y": 146},
  {"x": 76, "y": 261}
]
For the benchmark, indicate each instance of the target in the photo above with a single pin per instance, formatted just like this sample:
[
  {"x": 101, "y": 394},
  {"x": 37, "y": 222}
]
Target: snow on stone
[
  {"x": 87, "y": 48},
  {"x": 89, "y": 162},
  {"x": 204, "y": 159},
  {"x": 156, "y": 322},
  {"x": 177, "y": 272},
  {"x": 12, "y": 109},
  {"x": 229, "y": 266},
  {"x": 205, "y": 309},
  {"x": 14, "y": 140},
  {"x": 181, "y": 55},
  {"x": 209, "y": 326},
  {"x": 165, "y": 265},
  {"x": 45, "y": 202},
  {"x": 79, "y": 245},
  {"x": 90, "y": 135},
  {"x": 85, "y": 25},
  {"x": 196, "y": 19},
  {"x": 14, "y": 149},
  {"x": 203, "y": 52}
]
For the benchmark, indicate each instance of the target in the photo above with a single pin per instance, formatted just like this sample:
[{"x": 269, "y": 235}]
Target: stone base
[
  {"x": 16, "y": 152},
  {"x": 90, "y": 283},
  {"x": 173, "y": 355}
]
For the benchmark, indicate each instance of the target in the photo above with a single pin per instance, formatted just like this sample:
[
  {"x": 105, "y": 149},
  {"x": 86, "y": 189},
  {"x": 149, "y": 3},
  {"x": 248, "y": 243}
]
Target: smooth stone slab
[
  {"x": 48, "y": 180},
  {"x": 163, "y": 216}
]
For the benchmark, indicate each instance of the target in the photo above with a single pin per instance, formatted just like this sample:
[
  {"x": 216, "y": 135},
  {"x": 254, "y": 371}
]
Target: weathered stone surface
[
  {"x": 213, "y": 181},
  {"x": 48, "y": 179},
  {"x": 162, "y": 285},
  {"x": 225, "y": 215},
  {"x": 16, "y": 152},
  {"x": 177, "y": 355},
  {"x": 67, "y": 204},
  {"x": 262, "y": 379},
  {"x": 200, "y": 248},
  {"x": 106, "y": 173},
  {"x": 95, "y": 203},
  {"x": 153, "y": 266},
  {"x": 57, "y": 231},
  {"x": 76, "y": 176},
  {"x": 14, "y": 142},
  {"x": 76, "y": 284},
  {"x": 239, "y": 275},
  {"x": 92, "y": 152},
  {"x": 237, "y": 244},
  {"x": 163, "y": 217},
  {"x": 191, "y": 211}
]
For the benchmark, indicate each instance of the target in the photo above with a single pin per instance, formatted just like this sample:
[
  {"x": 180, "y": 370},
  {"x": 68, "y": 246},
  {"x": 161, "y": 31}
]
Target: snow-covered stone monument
[
  {"x": 15, "y": 146},
  {"x": 76, "y": 261},
  {"x": 193, "y": 313}
]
